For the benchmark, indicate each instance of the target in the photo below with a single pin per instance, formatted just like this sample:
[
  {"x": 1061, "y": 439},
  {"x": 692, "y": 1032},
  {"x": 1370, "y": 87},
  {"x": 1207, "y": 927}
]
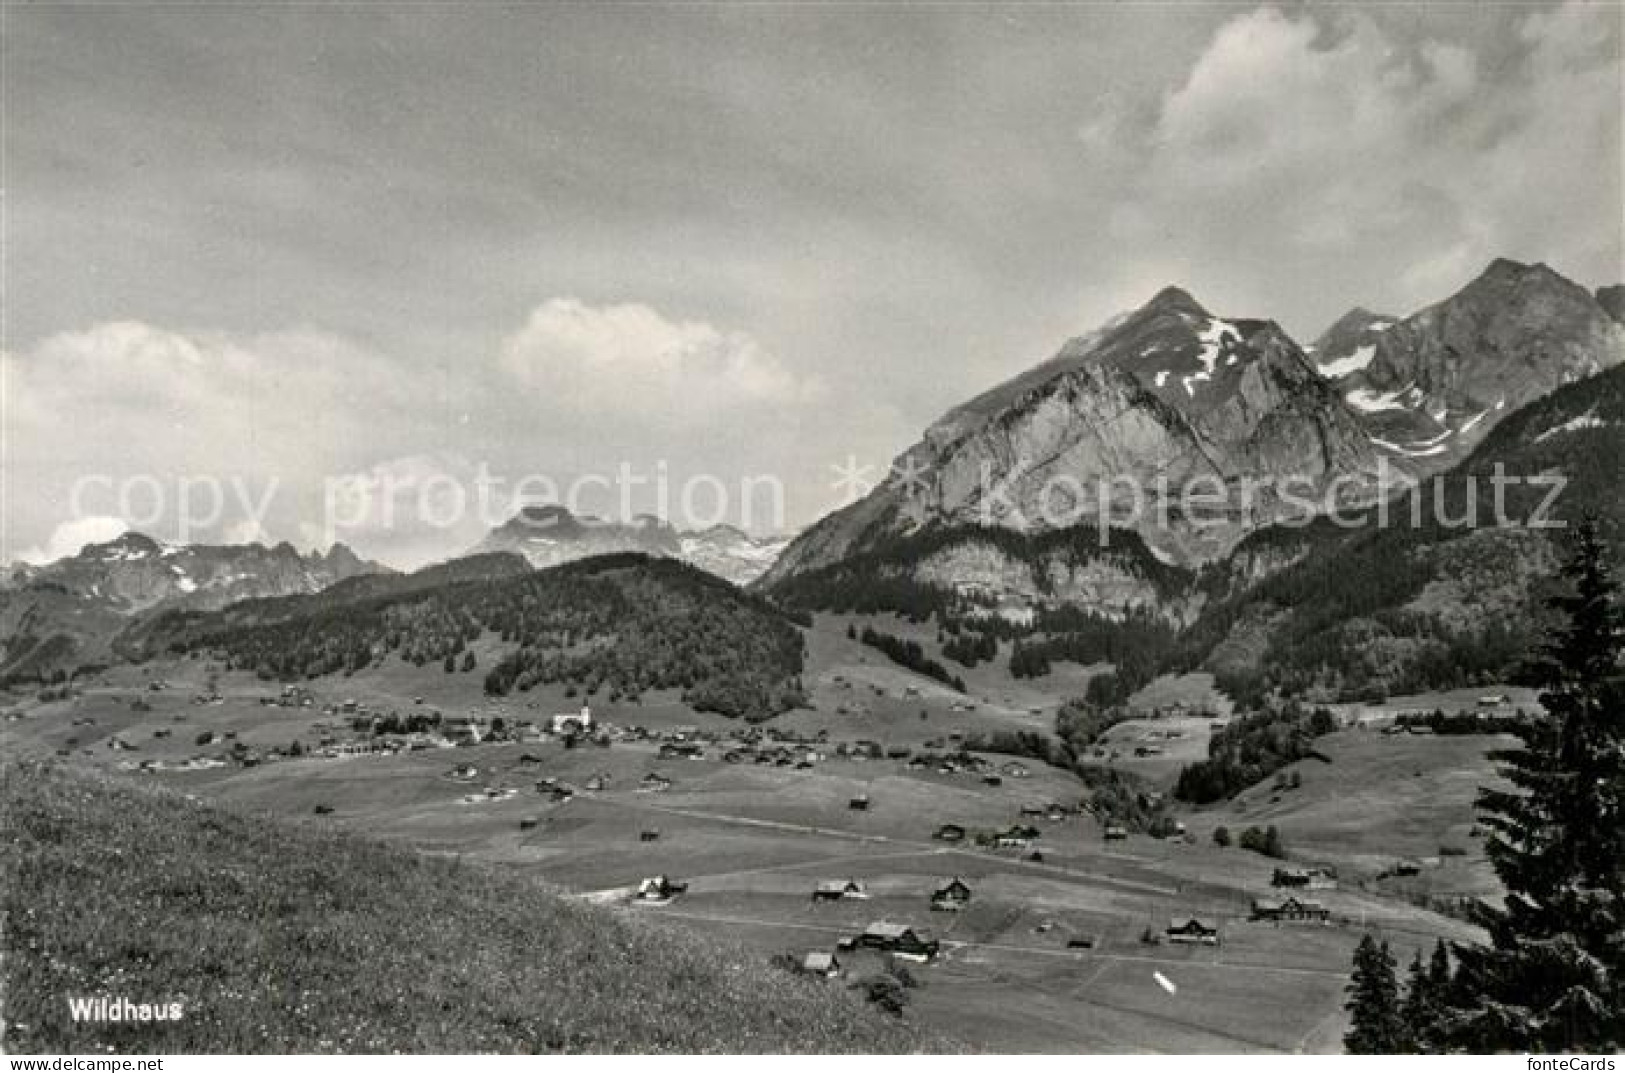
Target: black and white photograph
[{"x": 859, "y": 528}]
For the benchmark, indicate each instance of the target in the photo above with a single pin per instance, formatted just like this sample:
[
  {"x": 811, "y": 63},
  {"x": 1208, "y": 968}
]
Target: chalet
[
  {"x": 949, "y": 832},
  {"x": 463, "y": 730},
  {"x": 659, "y": 890},
  {"x": 993, "y": 780},
  {"x": 1032, "y": 810},
  {"x": 1406, "y": 868},
  {"x": 1305, "y": 878},
  {"x": 951, "y": 897},
  {"x": 1495, "y": 700},
  {"x": 654, "y": 783},
  {"x": 1148, "y": 750},
  {"x": 898, "y": 939},
  {"x": 1115, "y": 833},
  {"x": 1192, "y": 930},
  {"x": 596, "y": 784},
  {"x": 821, "y": 963},
  {"x": 580, "y": 722},
  {"x": 651, "y": 834},
  {"x": 1015, "y": 770},
  {"x": 859, "y": 803},
  {"x": 833, "y": 890},
  {"x": 687, "y": 750},
  {"x": 1290, "y": 908},
  {"x": 1055, "y": 813}
]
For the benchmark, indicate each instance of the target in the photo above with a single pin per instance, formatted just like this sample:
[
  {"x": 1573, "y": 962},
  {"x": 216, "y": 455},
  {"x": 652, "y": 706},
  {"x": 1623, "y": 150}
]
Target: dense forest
[
  {"x": 909, "y": 654},
  {"x": 1349, "y": 617},
  {"x": 620, "y": 624},
  {"x": 1253, "y": 747}
]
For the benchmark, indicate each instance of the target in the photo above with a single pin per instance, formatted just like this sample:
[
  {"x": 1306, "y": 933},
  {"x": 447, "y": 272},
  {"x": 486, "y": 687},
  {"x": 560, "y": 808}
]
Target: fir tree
[
  {"x": 1373, "y": 1005},
  {"x": 1553, "y": 975},
  {"x": 1420, "y": 1012}
]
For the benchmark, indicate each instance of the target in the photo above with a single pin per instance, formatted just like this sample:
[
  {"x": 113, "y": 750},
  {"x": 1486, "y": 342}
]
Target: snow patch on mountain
[
  {"x": 1589, "y": 419},
  {"x": 1352, "y": 363},
  {"x": 1368, "y": 401}
]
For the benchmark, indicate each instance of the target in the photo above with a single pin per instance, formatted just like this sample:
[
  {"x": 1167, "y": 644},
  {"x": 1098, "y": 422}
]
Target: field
[
  {"x": 274, "y": 937},
  {"x": 753, "y": 839}
]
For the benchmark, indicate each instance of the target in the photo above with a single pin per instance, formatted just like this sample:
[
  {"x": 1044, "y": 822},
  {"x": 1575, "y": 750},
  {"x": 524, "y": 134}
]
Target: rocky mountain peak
[{"x": 1612, "y": 300}]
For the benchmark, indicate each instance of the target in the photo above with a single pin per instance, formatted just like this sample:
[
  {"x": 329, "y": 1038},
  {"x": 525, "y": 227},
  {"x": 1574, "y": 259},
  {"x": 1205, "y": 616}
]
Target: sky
[{"x": 316, "y": 273}]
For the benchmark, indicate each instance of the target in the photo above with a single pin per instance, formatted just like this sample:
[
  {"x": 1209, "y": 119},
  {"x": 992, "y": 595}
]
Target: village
[{"x": 846, "y": 845}]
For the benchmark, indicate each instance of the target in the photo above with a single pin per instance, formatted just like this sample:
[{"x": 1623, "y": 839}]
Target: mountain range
[
  {"x": 1171, "y": 394},
  {"x": 994, "y": 516},
  {"x": 67, "y": 612},
  {"x": 550, "y": 535}
]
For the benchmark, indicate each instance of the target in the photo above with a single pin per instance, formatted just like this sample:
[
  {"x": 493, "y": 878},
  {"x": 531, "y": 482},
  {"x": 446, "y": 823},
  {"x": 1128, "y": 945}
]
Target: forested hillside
[{"x": 621, "y": 624}]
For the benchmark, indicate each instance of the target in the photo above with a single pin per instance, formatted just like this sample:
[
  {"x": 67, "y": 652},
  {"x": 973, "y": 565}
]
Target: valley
[{"x": 752, "y": 839}]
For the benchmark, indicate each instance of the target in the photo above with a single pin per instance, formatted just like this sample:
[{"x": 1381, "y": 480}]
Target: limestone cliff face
[
  {"x": 1112, "y": 430},
  {"x": 1430, "y": 387}
]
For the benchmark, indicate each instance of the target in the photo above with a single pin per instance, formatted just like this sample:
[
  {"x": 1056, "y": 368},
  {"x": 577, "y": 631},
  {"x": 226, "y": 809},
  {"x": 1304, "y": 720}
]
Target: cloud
[
  {"x": 1302, "y": 149},
  {"x": 70, "y": 536},
  {"x": 305, "y": 433},
  {"x": 627, "y": 361}
]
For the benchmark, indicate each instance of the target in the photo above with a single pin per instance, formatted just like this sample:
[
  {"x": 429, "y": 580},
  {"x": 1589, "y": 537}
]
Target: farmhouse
[
  {"x": 463, "y": 730},
  {"x": 951, "y": 897},
  {"x": 573, "y": 722},
  {"x": 1192, "y": 930},
  {"x": 898, "y": 939},
  {"x": 1305, "y": 878},
  {"x": 821, "y": 963},
  {"x": 659, "y": 889},
  {"x": 833, "y": 890},
  {"x": 1289, "y": 908}
]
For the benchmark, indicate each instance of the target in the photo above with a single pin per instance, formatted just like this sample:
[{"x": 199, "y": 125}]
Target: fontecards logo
[{"x": 117, "y": 1009}]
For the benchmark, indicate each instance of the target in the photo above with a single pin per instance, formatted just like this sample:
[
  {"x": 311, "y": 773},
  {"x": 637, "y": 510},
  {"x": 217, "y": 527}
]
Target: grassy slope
[{"x": 280, "y": 937}]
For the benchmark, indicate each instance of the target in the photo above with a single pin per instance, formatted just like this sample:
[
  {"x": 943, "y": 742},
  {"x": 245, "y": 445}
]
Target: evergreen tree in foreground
[
  {"x": 1553, "y": 975},
  {"x": 1377, "y": 1027}
]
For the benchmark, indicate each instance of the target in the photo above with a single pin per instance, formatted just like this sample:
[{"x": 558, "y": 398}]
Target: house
[
  {"x": 659, "y": 890},
  {"x": 654, "y": 783},
  {"x": 993, "y": 780},
  {"x": 1080, "y": 942},
  {"x": 1305, "y": 878},
  {"x": 1032, "y": 810},
  {"x": 833, "y": 890},
  {"x": 821, "y": 963},
  {"x": 951, "y": 897},
  {"x": 651, "y": 834},
  {"x": 1115, "y": 832},
  {"x": 596, "y": 784},
  {"x": 1015, "y": 770},
  {"x": 1289, "y": 908},
  {"x": 573, "y": 722},
  {"x": 859, "y": 803},
  {"x": 463, "y": 730},
  {"x": 1494, "y": 700},
  {"x": 1406, "y": 868},
  {"x": 949, "y": 832},
  {"x": 1055, "y": 813},
  {"x": 1192, "y": 930},
  {"x": 898, "y": 939}
]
